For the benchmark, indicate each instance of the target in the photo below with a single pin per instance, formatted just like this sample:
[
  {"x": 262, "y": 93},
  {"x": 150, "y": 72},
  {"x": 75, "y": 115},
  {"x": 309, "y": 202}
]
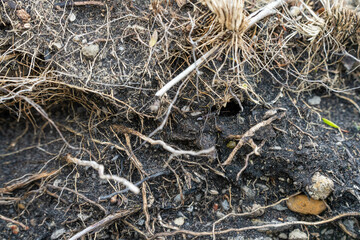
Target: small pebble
[
  {"x": 185, "y": 109},
  {"x": 329, "y": 232},
  {"x": 248, "y": 192},
  {"x": 225, "y": 205},
  {"x": 195, "y": 114},
  {"x": 291, "y": 219},
  {"x": 56, "y": 46},
  {"x": 190, "y": 209},
  {"x": 90, "y": 51},
  {"x": 72, "y": 17},
  {"x": 113, "y": 199},
  {"x": 283, "y": 236},
  {"x": 57, "y": 182},
  {"x": 83, "y": 217},
  {"x": 321, "y": 187},
  {"x": 302, "y": 204},
  {"x": 179, "y": 221},
  {"x": 155, "y": 106},
  {"x": 141, "y": 222},
  {"x": 115, "y": 158},
  {"x": 279, "y": 207},
  {"x": 296, "y": 234},
  {"x": 214, "y": 192},
  {"x": 315, "y": 100},
  {"x": 57, "y": 233},
  {"x": 27, "y": 25},
  {"x": 198, "y": 197},
  {"x": 21, "y": 206},
  {"x": 177, "y": 198},
  {"x": 220, "y": 214},
  {"x": 262, "y": 187},
  {"x": 33, "y": 222}
]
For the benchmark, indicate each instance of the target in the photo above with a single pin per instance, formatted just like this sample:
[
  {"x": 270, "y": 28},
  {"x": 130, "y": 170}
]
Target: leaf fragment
[
  {"x": 330, "y": 123},
  {"x": 153, "y": 39}
]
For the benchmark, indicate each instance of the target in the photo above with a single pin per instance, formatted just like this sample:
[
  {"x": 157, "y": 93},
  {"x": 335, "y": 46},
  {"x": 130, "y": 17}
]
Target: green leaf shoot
[{"x": 330, "y": 123}]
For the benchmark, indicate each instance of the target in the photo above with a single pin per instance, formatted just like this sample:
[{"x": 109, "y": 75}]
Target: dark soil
[{"x": 195, "y": 188}]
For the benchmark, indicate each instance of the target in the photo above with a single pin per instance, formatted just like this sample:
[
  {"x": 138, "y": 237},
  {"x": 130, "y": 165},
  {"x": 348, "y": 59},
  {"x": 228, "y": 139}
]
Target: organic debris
[{"x": 215, "y": 155}]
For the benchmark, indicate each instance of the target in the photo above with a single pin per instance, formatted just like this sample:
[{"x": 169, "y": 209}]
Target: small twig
[
  {"x": 308, "y": 134},
  {"x": 14, "y": 222},
  {"x": 100, "y": 169},
  {"x": 175, "y": 152},
  {"x": 80, "y": 3},
  {"x": 103, "y": 222},
  {"x": 136, "y": 184},
  {"x": 246, "y": 136},
  {"x": 79, "y": 195}
]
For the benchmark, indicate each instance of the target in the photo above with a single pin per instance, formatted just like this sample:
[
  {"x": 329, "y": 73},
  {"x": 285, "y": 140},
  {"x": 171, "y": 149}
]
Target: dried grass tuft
[{"x": 229, "y": 13}]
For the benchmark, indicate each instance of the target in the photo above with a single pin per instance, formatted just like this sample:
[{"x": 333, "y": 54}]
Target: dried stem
[
  {"x": 247, "y": 136},
  {"x": 103, "y": 222}
]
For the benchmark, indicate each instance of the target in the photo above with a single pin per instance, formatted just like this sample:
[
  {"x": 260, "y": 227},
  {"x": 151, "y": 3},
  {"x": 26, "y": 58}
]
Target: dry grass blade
[{"x": 19, "y": 183}]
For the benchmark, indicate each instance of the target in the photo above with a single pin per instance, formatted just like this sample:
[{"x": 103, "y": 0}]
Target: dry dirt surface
[{"x": 258, "y": 139}]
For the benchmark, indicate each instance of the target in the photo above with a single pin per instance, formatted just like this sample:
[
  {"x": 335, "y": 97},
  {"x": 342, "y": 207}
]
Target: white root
[
  {"x": 251, "y": 20},
  {"x": 100, "y": 169},
  {"x": 167, "y": 147},
  {"x": 184, "y": 73}
]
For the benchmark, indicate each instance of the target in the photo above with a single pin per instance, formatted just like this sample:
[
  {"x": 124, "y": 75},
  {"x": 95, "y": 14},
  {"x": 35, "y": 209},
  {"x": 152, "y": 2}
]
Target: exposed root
[
  {"x": 278, "y": 225},
  {"x": 79, "y": 195},
  {"x": 168, "y": 148},
  {"x": 14, "y": 221},
  {"x": 136, "y": 184},
  {"x": 100, "y": 169},
  {"x": 103, "y": 222}
]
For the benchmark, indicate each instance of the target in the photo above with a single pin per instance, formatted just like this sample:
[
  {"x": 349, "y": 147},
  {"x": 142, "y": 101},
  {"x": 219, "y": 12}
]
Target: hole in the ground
[{"x": 232, "y": 108}]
